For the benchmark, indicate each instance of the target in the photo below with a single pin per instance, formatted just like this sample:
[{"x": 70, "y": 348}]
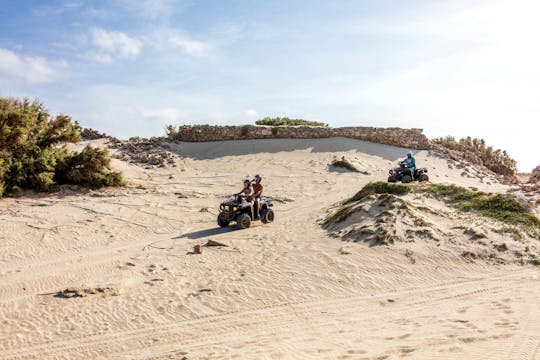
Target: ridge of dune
[{"x": 289, "y": 289}]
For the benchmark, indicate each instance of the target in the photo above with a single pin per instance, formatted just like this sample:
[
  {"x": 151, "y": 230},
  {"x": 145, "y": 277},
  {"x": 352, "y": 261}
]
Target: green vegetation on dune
[
  {"x": 496, "y": 206},
  {"x": 32, "y": 155},
  {"x": 499, "y": 207},
  {"x": 285, "y": 121},
  {"x": 340, "y": 215},
  {"x": 379, "y": 187},
  {"x": 347, "y": 207}
]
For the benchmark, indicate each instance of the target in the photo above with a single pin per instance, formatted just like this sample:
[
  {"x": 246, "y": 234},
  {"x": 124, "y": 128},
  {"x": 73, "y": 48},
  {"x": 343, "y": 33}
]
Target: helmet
[
  {"x": 247, "y": 181},
  {"x": 409, "y": 153},
  {"x": 257, "y": 177}
]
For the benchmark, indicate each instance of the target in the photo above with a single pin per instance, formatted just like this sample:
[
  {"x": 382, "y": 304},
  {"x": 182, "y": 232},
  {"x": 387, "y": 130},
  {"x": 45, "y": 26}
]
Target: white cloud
[
  {"x": 112, "y": 45},
  {"x": 252, "y": 114},
  {"x": 191, "y": 47},
  {"x": 32, "y": 69},
  {"x": 165, "y": 115},
  {"x": 469, "y": 70}
]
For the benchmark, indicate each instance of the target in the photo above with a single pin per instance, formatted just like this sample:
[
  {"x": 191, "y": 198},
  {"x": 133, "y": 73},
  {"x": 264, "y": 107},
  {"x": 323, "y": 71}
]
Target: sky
[{"x": 129, "y": 68}]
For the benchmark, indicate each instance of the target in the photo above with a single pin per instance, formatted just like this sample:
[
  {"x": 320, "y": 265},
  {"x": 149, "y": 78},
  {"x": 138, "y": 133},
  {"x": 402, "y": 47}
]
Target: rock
[
  {"x": 501, "y": 247},
  {"x": 197, "y": 249},
  {"x": 344, "y": 251},
  {"x": 214, "y": 243},
  {"x": 83, "y": 292},
  {"x": 148, "y": 152}
]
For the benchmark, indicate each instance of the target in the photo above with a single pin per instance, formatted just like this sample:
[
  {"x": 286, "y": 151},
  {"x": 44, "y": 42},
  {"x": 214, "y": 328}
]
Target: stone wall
[{"x": 408, "y": 138}]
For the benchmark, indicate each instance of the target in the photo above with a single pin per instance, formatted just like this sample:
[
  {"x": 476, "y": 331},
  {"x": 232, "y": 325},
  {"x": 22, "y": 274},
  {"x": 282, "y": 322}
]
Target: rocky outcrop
[
  {"x": 408, "y": 138},
  {"x": 151, "y": 152},
  {"x": 535, "y": 175}
]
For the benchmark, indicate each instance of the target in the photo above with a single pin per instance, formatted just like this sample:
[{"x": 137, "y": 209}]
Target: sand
[{"x": 286, "y": 290}]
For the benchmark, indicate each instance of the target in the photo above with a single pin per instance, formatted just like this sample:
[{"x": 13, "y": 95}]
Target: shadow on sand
[
  {"x": 204, "y": 233},
  {"x": 213, "y": 150}
]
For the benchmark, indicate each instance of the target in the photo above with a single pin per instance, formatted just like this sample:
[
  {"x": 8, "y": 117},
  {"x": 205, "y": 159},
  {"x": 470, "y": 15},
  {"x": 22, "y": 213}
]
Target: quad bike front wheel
[
  {"x": 222, "y": 221},
  {"x": 267, "y": 216},
  {"x": 244, "y": 221},
  {"x": 406, "y": 179}
]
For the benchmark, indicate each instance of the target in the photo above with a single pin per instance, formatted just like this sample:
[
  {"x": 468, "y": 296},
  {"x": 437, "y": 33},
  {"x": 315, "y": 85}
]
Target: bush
[
  {"x": 497, "y": 161},
  {"x": 285, "y": 121},
  {"x": 88, "y": 168},
  {"x": 31, "y": 156}
]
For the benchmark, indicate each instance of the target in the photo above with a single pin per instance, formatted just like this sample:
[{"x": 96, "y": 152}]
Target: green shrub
[
  {"x": 497, "y": 161},
  {"x": 88, "y": 168},
  {"x": 285, "y": 121},
  {"x": 379, "y": 187},
  {"x": 31, "y": 156}
]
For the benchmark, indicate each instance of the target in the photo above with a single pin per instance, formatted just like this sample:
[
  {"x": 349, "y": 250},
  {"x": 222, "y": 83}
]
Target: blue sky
[{"x": 131, "y": 67}]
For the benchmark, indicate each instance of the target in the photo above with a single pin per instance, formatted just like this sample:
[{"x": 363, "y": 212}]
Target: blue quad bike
[{"x": 403, "y": 174}]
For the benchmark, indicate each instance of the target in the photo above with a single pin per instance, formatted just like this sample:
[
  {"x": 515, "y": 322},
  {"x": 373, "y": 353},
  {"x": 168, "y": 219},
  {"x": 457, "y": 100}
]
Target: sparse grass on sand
[
  {"x": 344, "y": 164},
  {"x": 495, "y": 206},
  {"x": 347, "y": 206},
  {"x": 379, "y": 187}
]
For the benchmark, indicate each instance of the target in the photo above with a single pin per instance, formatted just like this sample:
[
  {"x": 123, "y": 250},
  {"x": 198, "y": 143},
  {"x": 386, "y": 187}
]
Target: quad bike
[
  {"x": 238, "y": 210},
  {"x": 403, "y": 174}
]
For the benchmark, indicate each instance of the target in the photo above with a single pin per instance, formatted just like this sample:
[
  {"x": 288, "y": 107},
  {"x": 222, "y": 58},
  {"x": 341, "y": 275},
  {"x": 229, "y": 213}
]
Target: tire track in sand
[{"x": 279, "y": 318}]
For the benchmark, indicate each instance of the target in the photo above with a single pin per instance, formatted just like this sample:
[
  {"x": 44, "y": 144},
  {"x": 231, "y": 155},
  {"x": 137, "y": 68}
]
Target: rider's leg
[{"x": 259, "y": 207}]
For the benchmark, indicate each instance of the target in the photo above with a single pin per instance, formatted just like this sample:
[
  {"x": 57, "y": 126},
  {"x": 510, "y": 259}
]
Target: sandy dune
[{"x": 286, "y": 290}]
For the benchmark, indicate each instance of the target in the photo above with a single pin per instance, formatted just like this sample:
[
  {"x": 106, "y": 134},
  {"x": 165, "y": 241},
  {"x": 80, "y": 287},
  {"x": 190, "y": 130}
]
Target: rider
[
  {"x": 257, "y": 192},
  {"x": 247, "y": 191},
  {"x": 410, "y": 163}
]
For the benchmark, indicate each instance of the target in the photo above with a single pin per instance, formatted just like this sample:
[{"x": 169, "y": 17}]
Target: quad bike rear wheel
[
  {"x": 423, "y": 177},
  {"x": 392, "y": 179},
  {"x": 222, "y": 221},
  {"x": 267, "y": 216},
  {"x": 244, "y": 221}
]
